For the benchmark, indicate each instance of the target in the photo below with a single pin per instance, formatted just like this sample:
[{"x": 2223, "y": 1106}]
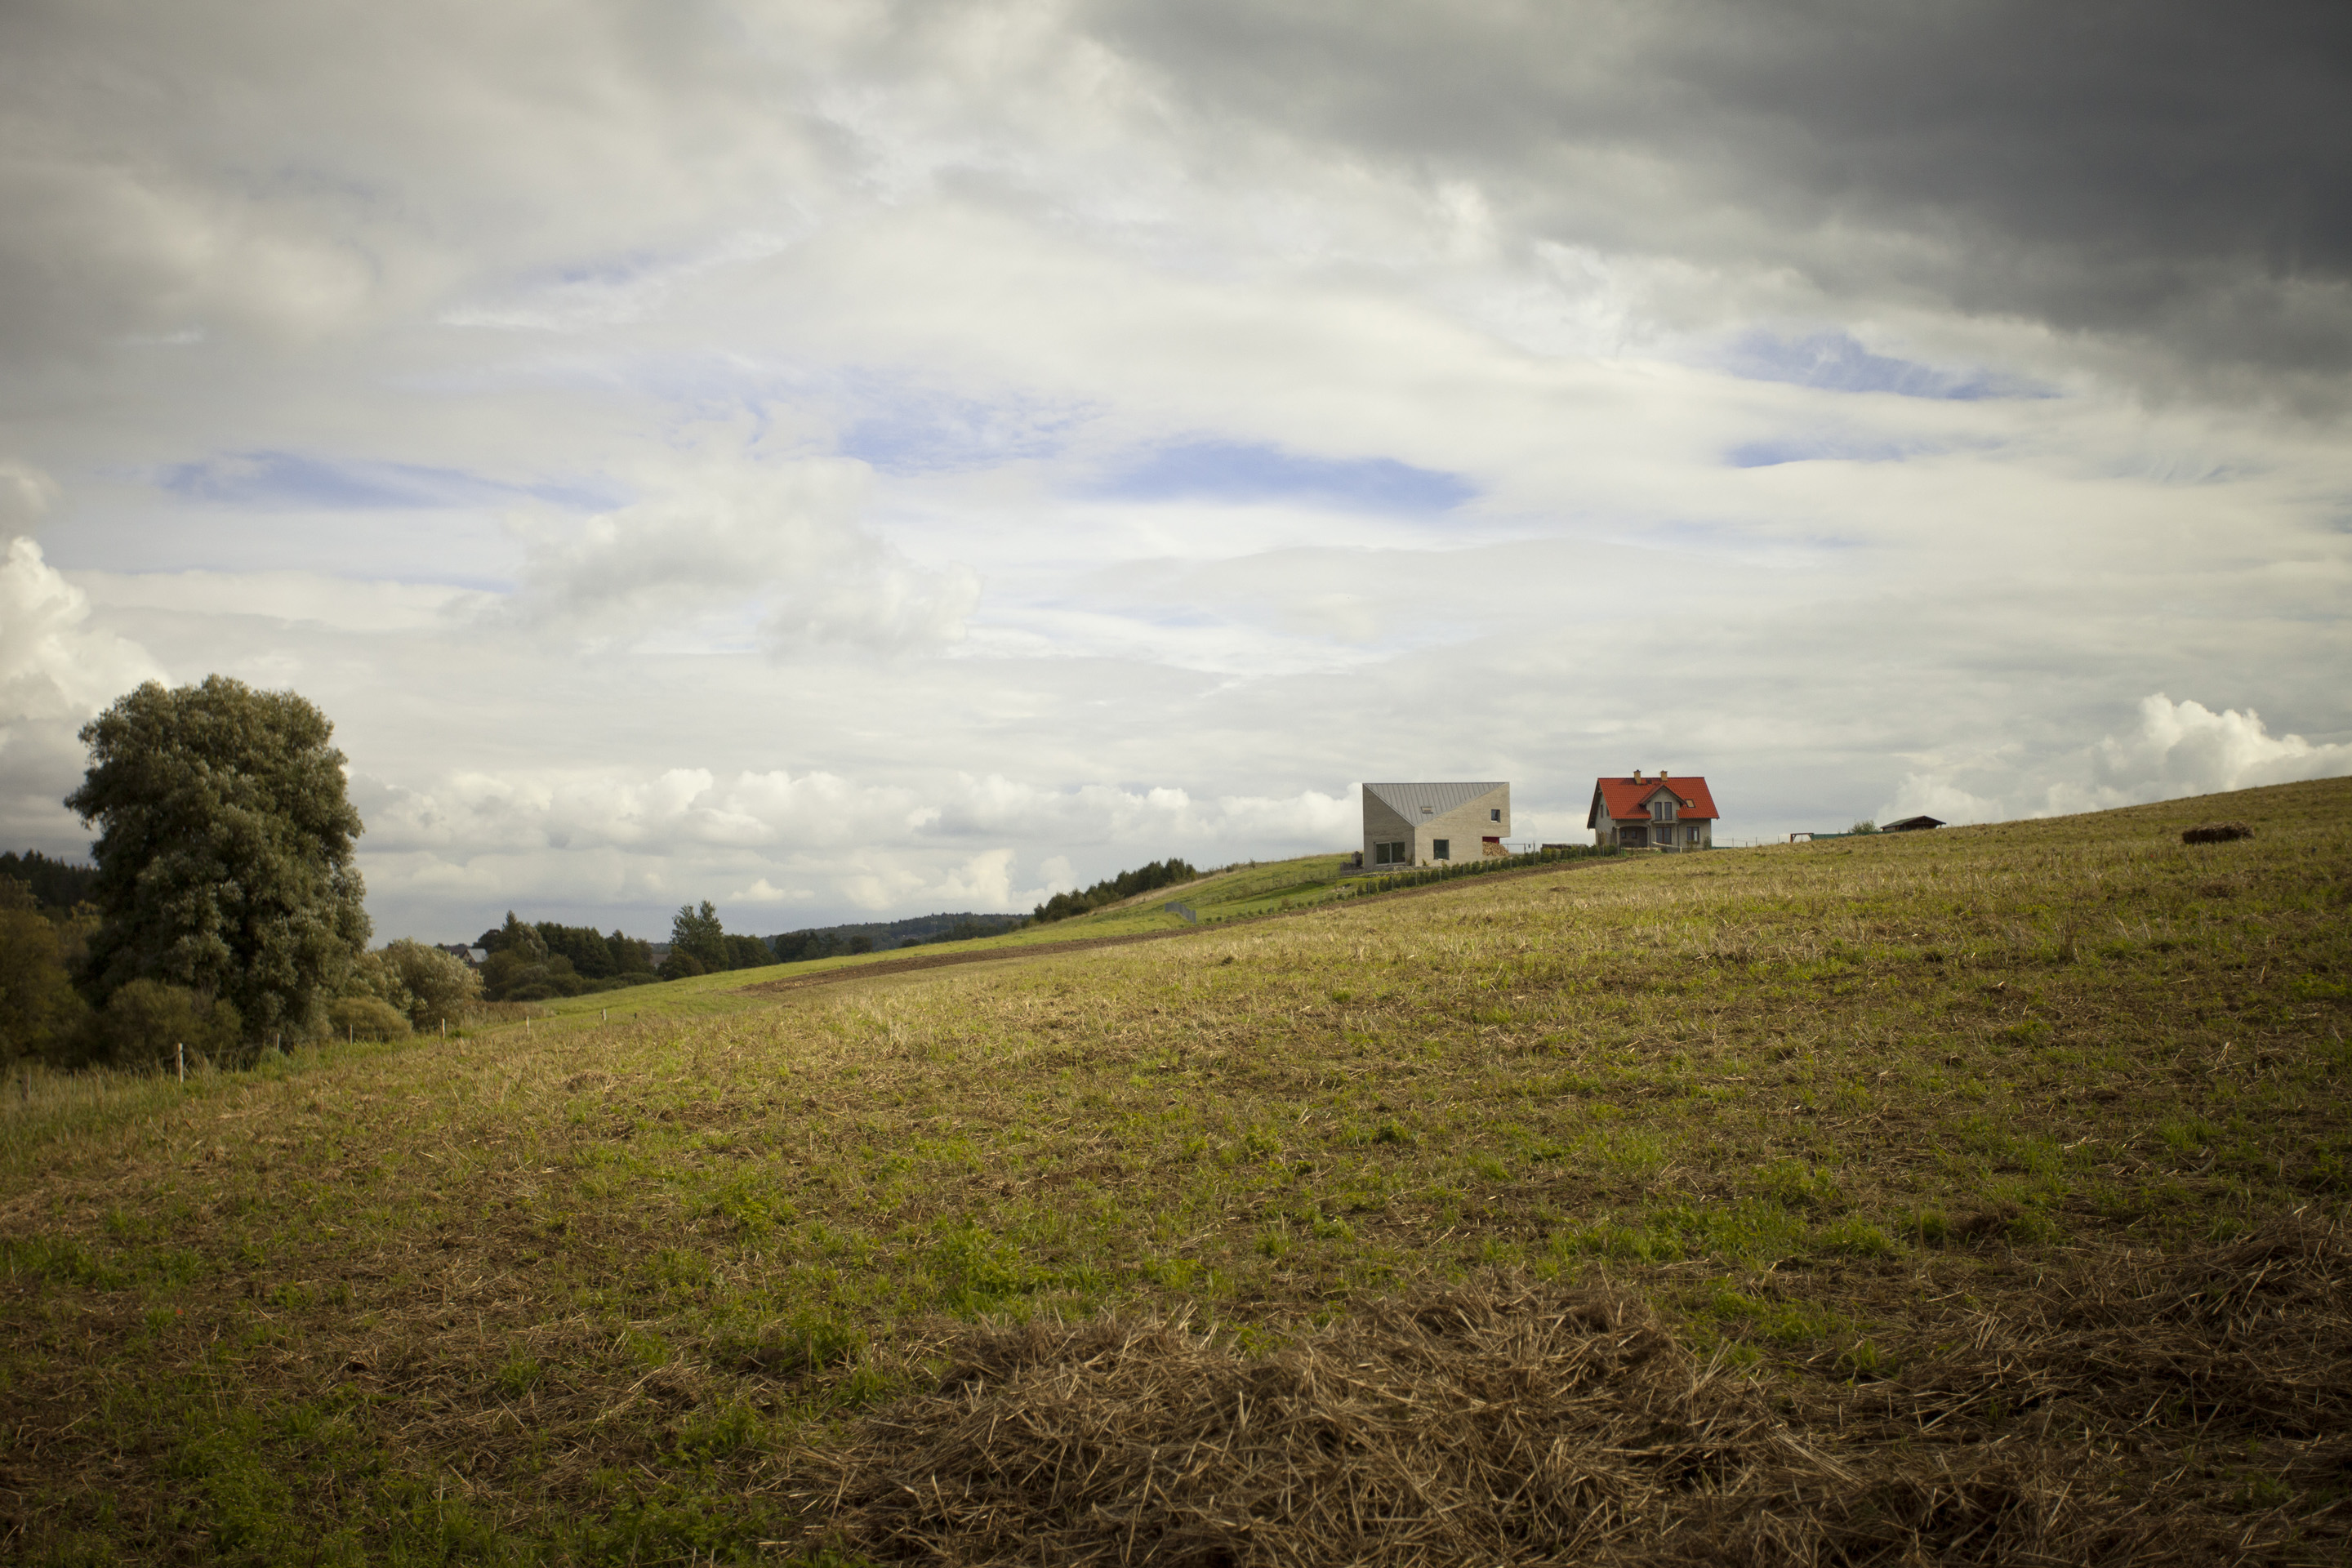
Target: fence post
[{"x": 179, "y": 1050}]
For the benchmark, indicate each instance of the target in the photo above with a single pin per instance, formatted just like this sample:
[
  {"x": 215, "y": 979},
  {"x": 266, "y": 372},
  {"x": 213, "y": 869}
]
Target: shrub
[
  {"x": 366, "y": 1018},
  {"x": 426, "y": 985},
  {"x": 145, "y": 1019}
]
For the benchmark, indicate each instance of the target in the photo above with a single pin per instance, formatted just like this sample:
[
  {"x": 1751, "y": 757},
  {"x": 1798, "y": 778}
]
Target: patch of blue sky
[
  {"x": 909, "y": 433},
  {"x": 1835, "y": 361},
  {"x": 1776, "y": 450},
  {"x": 290, "y": 482},
  {"x": 1241, "y": 472}
]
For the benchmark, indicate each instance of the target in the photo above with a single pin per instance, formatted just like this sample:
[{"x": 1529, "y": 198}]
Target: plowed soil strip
[{"x": 1043, "y": 949}]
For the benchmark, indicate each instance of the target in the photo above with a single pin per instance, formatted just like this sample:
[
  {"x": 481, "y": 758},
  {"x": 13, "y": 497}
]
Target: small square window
[
  {"x": 1494, "y": 814},
  {"x": 1441, "y": 850}
]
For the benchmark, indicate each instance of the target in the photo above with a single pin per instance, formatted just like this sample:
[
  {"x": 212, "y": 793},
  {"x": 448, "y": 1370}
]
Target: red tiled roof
[{"x": 1628, "y": 799}]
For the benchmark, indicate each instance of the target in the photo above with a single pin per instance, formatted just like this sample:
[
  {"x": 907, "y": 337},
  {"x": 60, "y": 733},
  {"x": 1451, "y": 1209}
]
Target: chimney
[
  {"x": 1662, "y": 773},
  {"x": 1637, "y": 775}
]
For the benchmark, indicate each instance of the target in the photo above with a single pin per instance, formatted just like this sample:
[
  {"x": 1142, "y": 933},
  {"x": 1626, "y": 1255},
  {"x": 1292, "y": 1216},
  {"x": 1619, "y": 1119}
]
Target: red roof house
[{"x": 1660, "y": 811}]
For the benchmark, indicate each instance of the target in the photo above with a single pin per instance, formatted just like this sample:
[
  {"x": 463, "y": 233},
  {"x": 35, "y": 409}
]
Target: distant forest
[
  {"x": 55, "y": 884},
  {"x": 833, "y": 941},
  {"x": 1126, "y": 885}
]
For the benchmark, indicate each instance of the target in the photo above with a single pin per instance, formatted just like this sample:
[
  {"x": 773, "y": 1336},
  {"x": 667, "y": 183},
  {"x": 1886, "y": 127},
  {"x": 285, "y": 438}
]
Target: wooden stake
[{"x": 179, "y": 1050}]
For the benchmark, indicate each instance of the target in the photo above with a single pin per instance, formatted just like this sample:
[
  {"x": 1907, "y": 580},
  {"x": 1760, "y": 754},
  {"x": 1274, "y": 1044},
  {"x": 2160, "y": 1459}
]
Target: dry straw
[{"x": 1507, "y": 1424}]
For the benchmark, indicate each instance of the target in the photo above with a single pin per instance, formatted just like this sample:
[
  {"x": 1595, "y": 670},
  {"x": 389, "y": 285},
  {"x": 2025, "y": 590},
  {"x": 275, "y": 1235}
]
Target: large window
[
  {"x": 1441, "y": 850},
  {"x": 1388, "y": 855},
  {"x": 1690, "y": 836}
]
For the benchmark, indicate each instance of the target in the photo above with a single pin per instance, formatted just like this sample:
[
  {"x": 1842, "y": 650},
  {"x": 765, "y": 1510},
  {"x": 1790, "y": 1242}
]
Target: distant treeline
[
  {"x": 698, "y": 944},
  {"x": 834, "y": 942},
  {"x": 532, "y": 961},
  {"x": 56, "y": 885},
  {"x": 1126, "y": 885}
]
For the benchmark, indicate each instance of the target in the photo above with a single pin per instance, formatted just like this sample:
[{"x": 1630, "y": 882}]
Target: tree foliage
[
  {"x": 41, "y": 1014},
  {"x": 422, "y": 985},
  {"x": 1126, "y": 885},
  {"x": 145, "y": 1019},
  {"x": 698, "y": 934},
  {"x": 531, "y": 961},
  {"x": 55, "y": 884},
  {"x": 224, "y": 851},
  {"x": 699, "y": 944}
]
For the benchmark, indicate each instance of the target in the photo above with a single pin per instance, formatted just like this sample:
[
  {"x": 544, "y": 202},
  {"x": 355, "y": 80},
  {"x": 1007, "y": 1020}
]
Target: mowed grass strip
[{"x": 602, "y": 1294}]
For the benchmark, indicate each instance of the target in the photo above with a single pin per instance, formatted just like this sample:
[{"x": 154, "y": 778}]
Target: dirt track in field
[{"x": 1045, "y": 949}]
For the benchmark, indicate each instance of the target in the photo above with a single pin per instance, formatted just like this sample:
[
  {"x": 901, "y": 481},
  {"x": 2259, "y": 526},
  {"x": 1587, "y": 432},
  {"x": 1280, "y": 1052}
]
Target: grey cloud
[{"x": 2175, "y": 173}]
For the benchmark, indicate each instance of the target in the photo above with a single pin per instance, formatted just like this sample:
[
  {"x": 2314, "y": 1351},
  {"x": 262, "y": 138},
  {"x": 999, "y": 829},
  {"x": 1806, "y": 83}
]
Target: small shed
[{"x": 1913, "y": 824}]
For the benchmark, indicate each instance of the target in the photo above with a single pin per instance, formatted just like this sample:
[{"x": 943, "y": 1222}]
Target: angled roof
[
  {"x": 1407, "y": 799},
  {"x": 1628, "y": 799}
]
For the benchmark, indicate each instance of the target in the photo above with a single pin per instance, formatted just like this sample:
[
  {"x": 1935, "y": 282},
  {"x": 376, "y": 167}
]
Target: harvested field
[
  {"x": 1500, "y": 1422},
  {"x": 867, "y": 971},
  {"x": 1970, "y": 1195}
]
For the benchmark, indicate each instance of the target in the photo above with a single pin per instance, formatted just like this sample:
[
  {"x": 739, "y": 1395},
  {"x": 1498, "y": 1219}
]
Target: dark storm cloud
[{"x": 2179, "y": 173}]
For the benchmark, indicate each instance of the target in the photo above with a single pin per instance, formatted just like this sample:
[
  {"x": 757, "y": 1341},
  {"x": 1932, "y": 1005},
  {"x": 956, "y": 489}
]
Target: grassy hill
[
  {"x": 1966, "y": 1195},
  {"x": 1237, "y": 892}
]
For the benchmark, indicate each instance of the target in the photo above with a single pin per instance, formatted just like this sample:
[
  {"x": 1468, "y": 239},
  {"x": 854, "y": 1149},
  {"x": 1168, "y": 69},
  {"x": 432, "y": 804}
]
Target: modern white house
[{"x": 1433, "y": 824}]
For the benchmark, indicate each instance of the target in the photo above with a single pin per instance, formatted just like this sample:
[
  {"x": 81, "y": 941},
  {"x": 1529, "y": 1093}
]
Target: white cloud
[
  {"x": 56, "y": 672},
  {"x": 2184, "y": 748},
  {"x": 733, "y": 535},
  {"x": 2177, "y": 749}
]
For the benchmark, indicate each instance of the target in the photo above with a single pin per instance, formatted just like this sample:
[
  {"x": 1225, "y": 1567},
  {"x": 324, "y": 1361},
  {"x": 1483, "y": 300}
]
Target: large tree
[{"x": 223, "y": 851}]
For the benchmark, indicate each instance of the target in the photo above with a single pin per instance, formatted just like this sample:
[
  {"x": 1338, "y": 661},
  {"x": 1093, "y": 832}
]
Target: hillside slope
[{"x": 1969, "y": 1194}]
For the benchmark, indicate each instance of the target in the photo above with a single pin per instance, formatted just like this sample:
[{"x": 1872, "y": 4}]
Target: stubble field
[{"x": 1971, "y": 1195}]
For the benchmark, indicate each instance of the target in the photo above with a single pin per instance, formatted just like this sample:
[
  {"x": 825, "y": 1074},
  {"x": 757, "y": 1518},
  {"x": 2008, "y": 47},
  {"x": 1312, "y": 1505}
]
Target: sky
[{"x": 847, "y": 460}]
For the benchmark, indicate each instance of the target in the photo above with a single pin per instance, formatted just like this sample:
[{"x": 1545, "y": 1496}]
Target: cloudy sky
[{"x": 841, "y": 459}]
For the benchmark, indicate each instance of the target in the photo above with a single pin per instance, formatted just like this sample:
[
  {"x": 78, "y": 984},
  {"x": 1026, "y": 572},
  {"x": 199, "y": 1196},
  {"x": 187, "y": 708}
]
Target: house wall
[{"x": 1382, "y": 825}]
